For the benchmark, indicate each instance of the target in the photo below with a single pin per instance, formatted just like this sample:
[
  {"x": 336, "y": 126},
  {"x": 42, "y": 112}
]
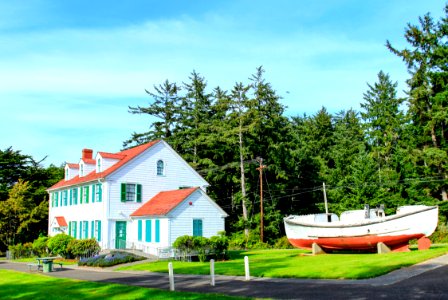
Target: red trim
[
  {"x": 366, "y": 242},
  {"x": 127, "y": 155},
  {"x": 61, "y": 221}
]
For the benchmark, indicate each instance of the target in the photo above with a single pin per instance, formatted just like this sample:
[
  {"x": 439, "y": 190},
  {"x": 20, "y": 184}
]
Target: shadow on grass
[{"x": 36, "y": 286}]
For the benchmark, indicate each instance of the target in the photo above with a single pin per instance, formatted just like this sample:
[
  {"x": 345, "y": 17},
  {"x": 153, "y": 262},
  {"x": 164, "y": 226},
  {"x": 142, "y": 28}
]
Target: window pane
[
  {"x": 160, "y": 167},
  {"x": 130, "y": 192}
]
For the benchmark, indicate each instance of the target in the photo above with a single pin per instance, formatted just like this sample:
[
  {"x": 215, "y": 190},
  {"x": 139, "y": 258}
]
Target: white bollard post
[
  {"x": 171, "y": 275},
  {"x": 212, "y": 272},
  {"x": 246, "y": 267}
]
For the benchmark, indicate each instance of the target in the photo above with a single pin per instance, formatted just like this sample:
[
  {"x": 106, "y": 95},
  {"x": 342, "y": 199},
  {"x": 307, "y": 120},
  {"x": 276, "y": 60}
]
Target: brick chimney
[{"x": 87, "y": 153}]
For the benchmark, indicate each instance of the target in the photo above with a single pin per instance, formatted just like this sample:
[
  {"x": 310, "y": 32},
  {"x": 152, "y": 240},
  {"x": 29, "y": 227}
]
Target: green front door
[{"x": 120, "y": 235}]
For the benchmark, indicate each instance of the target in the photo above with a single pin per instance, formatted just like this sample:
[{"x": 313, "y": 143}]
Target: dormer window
[
  {"x": 66, "y": 173},
  {"x": 98, "y": 165},
  {"x": 160, "y": 168},
  {"x": 81, "y": 170}
]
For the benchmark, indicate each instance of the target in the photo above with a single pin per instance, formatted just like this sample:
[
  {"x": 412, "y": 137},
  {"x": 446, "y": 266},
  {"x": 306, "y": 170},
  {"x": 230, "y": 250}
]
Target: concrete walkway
[{"x": 426, "y": 280}]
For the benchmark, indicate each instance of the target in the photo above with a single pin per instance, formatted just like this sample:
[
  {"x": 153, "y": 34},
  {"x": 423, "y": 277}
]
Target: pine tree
[
  {"x": 428, "y": 94},
  {"x": 165, "y": 107},
  {"x": 195, "y": 116}
]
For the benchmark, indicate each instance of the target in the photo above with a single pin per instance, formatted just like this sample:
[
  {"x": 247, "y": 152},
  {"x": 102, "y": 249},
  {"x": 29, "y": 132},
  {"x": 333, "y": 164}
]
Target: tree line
[
  {"x": 23, "y": 197},
  {"x": 393, "y": 151}
]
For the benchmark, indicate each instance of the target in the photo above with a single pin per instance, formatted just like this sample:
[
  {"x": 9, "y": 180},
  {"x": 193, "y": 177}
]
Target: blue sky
[{"x": 70, "y": 69}]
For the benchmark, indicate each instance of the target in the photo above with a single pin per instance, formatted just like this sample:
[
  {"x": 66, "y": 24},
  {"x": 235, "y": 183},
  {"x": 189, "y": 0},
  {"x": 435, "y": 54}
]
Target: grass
[
  {"x": 297, "y": 264},
  {"x": 17, "y": 285},
  {"x": 59, "y": 260}
]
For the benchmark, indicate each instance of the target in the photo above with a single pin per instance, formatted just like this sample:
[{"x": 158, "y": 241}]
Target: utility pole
[{"x": 260, "y": 168}]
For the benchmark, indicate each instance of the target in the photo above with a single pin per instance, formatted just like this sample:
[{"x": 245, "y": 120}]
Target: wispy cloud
[{"x": 66, "y": 86}]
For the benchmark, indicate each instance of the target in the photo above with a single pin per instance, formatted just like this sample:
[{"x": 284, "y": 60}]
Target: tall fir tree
[
  {"x": 428, "y": 96},
  {"x": 165, "y": 108}
]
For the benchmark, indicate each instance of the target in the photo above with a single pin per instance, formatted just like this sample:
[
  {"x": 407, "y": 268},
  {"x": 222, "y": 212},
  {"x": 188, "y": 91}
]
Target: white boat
[{"x": 363, "y": 229}]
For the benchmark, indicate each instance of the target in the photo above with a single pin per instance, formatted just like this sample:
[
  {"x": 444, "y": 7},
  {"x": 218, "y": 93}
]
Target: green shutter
[
  {"x": 81, "y": 195},
  {"x": 92, "y": 230},
  {"x": 123, "y": 192},
  {"x": 75, "y": 196},
  {"x": 148, "y": 231},
  {"x": 139, "y": 193},
  {"x": 86, "y": 230},
  {"x": 74, "y": 229},
  {"x": 100, "y": 192},
  {"x": 93, "y": 193},
  {"x": 70, "y": 228},
  {"x": 70, "y": 196},
  {"x": 157, "y": 231},
  {"x": 140, "y": 225},
  {"x": 99, "y": 231},
  {"x": 87, "y": 194},
  {"x": 80, "y": 229},
  {"x": 197, "y": 227}
]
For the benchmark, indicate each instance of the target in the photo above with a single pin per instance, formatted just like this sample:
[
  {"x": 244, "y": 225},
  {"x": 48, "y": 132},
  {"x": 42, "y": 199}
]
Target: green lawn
[
  {"x": 17, "y": 285},
  {"x": 61, "y": 260},
  {"x": 298, "y": 264}
]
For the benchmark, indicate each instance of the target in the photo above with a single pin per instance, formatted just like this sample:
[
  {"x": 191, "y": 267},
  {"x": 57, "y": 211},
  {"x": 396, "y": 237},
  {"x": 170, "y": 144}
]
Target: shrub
[
  {"x": 20, "y": 251},
  {"x": 283, "y": 243},
  {"x": 202, "y": 246},
  {"x": 219, "y": 245},
  {"x": 40, "y": 246},
  {"x": 83, "y": 248},
  {"x": 440, "y": 235},
  {"x": 111, "y": 259},
  {"x": 57, "y": 245},
  {"x": 184, "y": 244},
  {"x": 238, "y": 241}
]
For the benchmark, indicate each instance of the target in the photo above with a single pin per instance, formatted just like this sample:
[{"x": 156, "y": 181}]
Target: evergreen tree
[
  {"x": 18, "y": 213},
  {"x": 194, "y": 121},
  {"x": 382, "y": 118},
  {"x": 165, "y": 107},
  {"x": 428, "y": 95}
]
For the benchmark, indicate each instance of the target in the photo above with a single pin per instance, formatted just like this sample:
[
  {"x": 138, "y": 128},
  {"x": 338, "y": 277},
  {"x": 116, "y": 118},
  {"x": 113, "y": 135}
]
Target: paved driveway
[{"x": 428, "y": 280}]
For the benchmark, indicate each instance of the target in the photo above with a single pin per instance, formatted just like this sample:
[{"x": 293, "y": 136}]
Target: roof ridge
[{"x": 129, "y": 155}]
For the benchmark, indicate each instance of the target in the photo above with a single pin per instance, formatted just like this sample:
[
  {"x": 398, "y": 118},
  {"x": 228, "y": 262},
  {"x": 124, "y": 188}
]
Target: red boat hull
[{"x": 367, "y": 242}]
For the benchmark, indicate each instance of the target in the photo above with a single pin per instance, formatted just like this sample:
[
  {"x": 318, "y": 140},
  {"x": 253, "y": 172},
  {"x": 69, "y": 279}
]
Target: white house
[{"x": 141, "y": 198}]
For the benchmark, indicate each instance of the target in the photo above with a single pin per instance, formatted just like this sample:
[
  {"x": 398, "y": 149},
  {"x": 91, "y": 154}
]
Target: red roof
[
  {"x": 61, "y": 221},
  {"x": 73, "y": 166},
  {"x": 127, "y": 155},
  {"x": 89, "y": 161},
  {"x": 110, "y": 155},
  {"x": 163, "y": 202}
]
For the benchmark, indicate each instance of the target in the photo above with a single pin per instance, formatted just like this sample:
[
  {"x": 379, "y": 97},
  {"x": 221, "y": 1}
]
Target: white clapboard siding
[
  {"x": 71, "y": 172},
  {"x": 201, "y": 207},
  {"x": 143, "y": 170},
  {"x": 106, "y": 162}
]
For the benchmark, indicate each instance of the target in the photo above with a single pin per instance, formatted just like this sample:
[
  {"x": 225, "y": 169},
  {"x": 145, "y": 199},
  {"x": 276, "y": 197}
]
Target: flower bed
[{"x": 111, "y": 259}]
